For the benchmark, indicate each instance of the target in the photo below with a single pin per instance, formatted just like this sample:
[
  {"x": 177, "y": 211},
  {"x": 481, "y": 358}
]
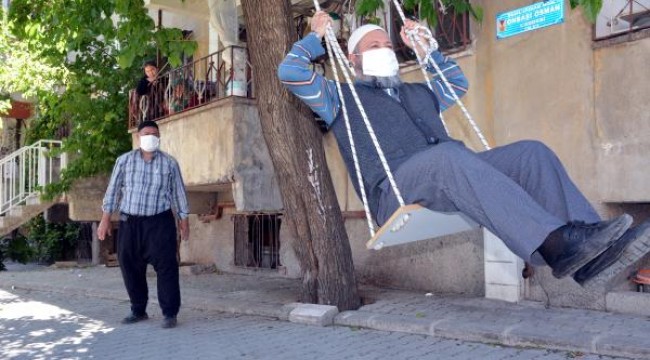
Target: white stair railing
[{"x": 27, "y": 170}]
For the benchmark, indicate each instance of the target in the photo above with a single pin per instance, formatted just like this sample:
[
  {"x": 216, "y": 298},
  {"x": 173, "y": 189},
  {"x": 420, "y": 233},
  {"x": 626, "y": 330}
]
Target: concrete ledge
[
  {"x": 17, "y": 211},
  {"x": 549, "y": 337},
  {"x": 197, "y": 269},
  {"x": 616, "y": 345},
  {"x": 628, "y": 302},
  {"x": 313, "y": 314},
  {"x": 33, "y": 200},
  {"x": 384, "y": 322}
]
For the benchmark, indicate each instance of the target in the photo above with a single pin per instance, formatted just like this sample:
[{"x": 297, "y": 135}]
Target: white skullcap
[{"x": 359, "y": 33}]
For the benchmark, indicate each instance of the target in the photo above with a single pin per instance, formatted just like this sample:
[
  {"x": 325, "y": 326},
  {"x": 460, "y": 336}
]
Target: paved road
[{"x": 39, "y": 325}]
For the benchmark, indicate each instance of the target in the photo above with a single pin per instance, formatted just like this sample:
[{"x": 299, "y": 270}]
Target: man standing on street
[{"x": 145, "y": 185}]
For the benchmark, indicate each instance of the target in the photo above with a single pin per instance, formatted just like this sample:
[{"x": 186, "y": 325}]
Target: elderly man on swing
[{"x": 520, "y": 192}]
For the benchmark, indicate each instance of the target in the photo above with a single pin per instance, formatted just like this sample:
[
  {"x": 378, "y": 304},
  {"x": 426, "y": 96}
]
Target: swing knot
[{"x": 422, "y": 32}]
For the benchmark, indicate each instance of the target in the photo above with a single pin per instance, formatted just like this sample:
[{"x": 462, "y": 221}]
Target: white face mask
[
  {"x": 149, "y": 143},
  {"x": 379, "y": 62}
]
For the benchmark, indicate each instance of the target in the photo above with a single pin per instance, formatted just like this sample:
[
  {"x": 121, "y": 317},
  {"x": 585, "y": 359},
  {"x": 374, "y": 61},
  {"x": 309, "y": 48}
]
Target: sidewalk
[{"x": 468, "y": 319}]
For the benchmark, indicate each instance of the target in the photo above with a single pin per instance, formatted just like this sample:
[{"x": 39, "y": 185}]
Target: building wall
[
  {"x": 184, "y": 21},
  {"x": 622, "y": 118}
]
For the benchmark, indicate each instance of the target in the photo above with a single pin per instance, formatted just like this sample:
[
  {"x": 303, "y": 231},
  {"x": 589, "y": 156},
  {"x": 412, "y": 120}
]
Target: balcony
[
  {"x": 208, "y": 121},
  {"x": 219, "y": 75}
]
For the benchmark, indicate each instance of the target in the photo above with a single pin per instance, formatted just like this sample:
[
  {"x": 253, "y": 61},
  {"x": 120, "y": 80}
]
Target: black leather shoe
[
  {"x": 169, "y": 322},
  {"x": 133, "y": 318},
  {"x": 627, "y": 250},
  {"x": 584, "y": 242}
]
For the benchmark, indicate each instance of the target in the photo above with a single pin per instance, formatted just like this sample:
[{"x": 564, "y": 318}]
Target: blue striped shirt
[
  {"x": 142, "y": 188},
  {"x": 320, "y": 94}
]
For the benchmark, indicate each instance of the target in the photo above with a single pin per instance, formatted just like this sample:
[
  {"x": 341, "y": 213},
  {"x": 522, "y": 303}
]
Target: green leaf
[
  {"x": 410, "y": 4},
  {"x": 125, "y": 60},
  {"x": 591, "y": 9},
  {"x": 477, "y": 13},
  {"x": 429, "y": 12},
  {"x": 368, "y": 7}
]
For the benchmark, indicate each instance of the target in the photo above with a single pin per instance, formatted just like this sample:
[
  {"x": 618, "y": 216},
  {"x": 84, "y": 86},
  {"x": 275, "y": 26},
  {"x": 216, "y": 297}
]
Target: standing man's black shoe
[
  {"x": 626, "y": 251},
  {"x": 572, "y": 246},
  {"x": 134, "y": 318},
  {"x": 169, "y": 322}
]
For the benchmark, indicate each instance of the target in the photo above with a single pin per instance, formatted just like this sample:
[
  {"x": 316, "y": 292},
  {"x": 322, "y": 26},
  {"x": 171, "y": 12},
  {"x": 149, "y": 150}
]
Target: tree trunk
[{"x": 296, "y": 148}]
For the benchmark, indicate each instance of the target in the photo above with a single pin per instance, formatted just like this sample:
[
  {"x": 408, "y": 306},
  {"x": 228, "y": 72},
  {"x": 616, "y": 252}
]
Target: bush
[
  {"x": 51, "y": 241},
  {"x": 16, "y": 248}
]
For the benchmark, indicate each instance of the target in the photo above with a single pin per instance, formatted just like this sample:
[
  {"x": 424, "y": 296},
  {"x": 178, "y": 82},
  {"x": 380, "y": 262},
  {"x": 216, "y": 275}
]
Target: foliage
[
  {"x": 21, "y": 71},
  {"x": 99, "y": 46},
  {"x": 17, "y": 249},
  {"x": 427, "y": 9},
  {"x": 590, "y": 8},
  {"x": 49, "y": 241}
]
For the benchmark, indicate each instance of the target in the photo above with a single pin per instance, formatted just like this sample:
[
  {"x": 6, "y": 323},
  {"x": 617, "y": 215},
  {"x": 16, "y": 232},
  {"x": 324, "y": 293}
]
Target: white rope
[
  {"x": 144, "y": 106},
  {"x": 429, "y": 60},
  {"x": 348, "y": 128},
  {"x": 169, "y": 93},
  {"x": 199, "y": 88},
  {"x": 433, "y": 45}
]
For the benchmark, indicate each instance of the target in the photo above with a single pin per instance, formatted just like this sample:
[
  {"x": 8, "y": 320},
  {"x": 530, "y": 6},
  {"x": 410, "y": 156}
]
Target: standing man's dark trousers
[
  {"x": 150, "y": 240},
  {"x": 520, "y": 192}
]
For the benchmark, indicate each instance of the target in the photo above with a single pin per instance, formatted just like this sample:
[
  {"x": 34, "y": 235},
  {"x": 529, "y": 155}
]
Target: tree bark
[{"x": 296, "y": 148}]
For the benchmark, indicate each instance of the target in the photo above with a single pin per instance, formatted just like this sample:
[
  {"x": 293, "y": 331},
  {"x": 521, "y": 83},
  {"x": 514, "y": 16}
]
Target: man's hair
[
  {"x": 150, "y": 63},
  {"x": 147, "y": 123}
]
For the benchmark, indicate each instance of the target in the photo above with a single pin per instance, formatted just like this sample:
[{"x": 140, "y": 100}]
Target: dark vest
[{"x": 402, "y": 130}]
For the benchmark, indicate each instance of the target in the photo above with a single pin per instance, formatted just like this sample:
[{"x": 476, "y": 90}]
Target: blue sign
[{"x": 531, "y": 17}]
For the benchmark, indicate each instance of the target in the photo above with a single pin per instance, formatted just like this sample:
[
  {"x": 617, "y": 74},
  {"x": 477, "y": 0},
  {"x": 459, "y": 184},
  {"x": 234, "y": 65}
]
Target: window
[
  {"x": 619, "y": 17},
  {"x": 452, "y": 32},
  {"x": 257, "y": 240}
]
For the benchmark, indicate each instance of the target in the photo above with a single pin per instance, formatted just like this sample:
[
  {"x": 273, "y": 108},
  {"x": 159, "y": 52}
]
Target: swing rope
[
  {"x": 357, "y": 168},
  {"x": 433, "y": 45}
]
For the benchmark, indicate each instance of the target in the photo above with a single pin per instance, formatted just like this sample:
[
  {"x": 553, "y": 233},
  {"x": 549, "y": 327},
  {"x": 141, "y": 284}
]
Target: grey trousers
[{"x": 520, "y": 192}]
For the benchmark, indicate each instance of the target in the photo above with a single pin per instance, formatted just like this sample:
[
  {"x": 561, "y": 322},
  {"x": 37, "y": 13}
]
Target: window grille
[{"x": 257, "y": 240}]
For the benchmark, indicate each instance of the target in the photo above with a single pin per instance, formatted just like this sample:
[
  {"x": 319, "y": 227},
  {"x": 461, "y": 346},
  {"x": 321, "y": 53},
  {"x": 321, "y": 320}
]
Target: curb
[
  {"x": 517, "y": 335},
  {"x": 514, "y": 335}
]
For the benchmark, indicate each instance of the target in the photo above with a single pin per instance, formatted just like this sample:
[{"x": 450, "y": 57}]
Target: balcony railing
[{"x": 219, "y": 75}]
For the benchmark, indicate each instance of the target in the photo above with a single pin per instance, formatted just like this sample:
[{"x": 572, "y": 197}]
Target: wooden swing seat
[{"x": 413, "y": 223}]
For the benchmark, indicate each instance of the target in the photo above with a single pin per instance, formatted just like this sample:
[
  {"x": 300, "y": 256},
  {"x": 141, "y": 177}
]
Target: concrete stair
[{"x": 21, "y": 214}]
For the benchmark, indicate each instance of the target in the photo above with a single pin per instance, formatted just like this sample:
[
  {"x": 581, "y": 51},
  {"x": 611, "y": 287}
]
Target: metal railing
[
  {"x": 27, "y": 170},
  {"x": 221, "y": 74}
]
